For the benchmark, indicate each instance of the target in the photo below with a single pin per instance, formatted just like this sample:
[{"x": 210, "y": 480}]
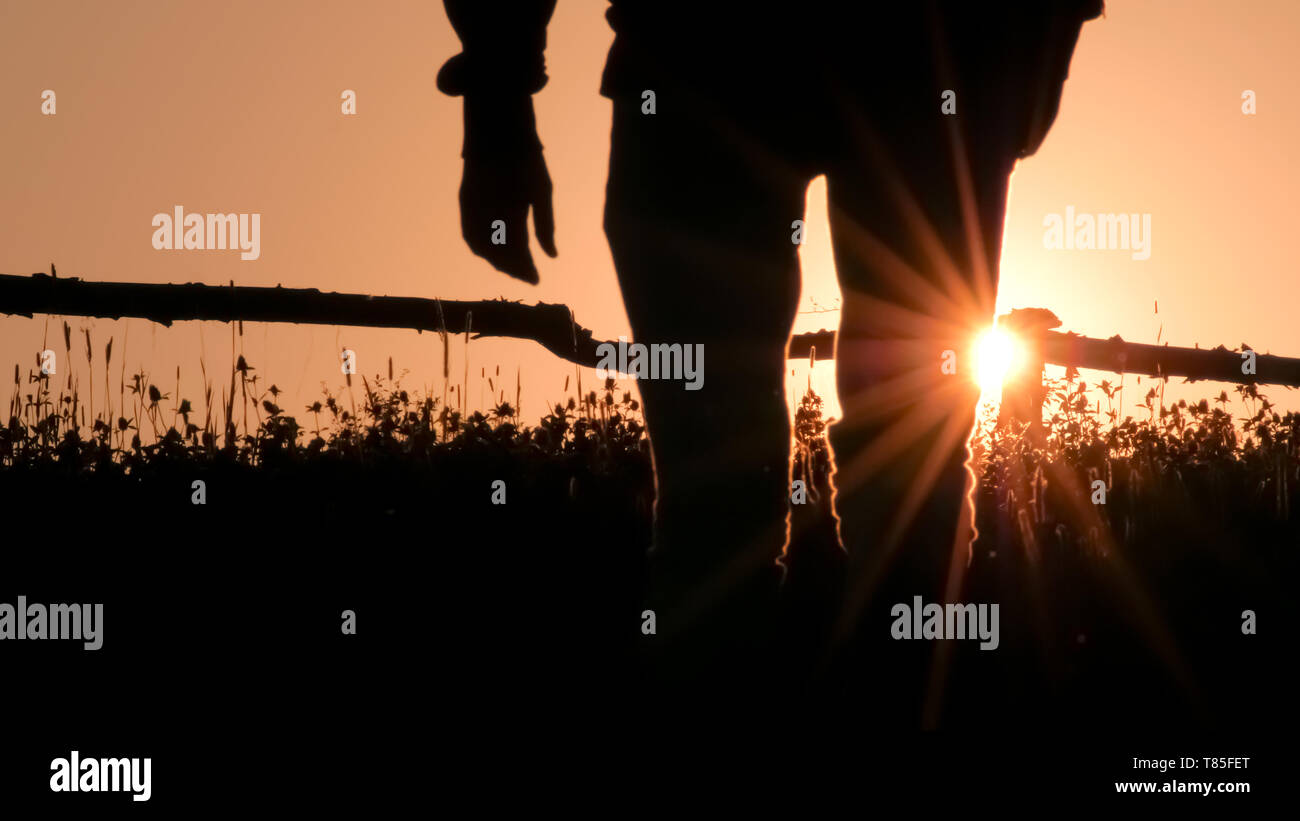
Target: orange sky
[{"x": 235, "y": 108}]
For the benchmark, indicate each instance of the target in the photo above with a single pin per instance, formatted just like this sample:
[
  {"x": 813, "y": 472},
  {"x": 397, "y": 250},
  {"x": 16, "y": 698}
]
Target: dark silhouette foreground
[{"x": 750, "y": 102}]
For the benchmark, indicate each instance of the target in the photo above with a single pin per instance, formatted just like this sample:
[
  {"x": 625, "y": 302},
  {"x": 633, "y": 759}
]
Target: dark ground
[{"x": 494, "y": 628}]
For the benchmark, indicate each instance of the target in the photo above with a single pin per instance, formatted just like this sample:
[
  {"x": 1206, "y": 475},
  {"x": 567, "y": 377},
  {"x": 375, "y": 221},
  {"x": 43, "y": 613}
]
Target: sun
[{"x": 998, "y": 356}]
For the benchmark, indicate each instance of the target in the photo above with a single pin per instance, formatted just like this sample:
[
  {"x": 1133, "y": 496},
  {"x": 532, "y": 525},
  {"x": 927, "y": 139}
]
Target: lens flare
[{"x": 999, "y": 356}]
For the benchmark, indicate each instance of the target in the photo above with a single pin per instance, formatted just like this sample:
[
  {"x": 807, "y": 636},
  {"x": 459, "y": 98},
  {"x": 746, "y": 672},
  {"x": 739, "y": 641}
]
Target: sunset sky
[{"x": 236, "y": 108}]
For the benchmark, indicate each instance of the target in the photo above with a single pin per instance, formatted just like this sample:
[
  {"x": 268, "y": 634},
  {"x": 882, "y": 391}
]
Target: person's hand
[{"x": 505, "y": 175}]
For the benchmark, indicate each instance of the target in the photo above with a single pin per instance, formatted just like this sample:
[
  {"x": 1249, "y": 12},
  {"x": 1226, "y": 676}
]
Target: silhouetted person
[{"x": 751, "y": 101}]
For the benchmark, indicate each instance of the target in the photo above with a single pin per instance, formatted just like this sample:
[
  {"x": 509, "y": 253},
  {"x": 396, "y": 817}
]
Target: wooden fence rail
[{"x": 551, "y": 326}]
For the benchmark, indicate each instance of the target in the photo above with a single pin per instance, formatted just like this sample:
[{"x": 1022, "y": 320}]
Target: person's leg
[
  {"x": 700, "y": 233},
  {"x": 916, "y": 218}
]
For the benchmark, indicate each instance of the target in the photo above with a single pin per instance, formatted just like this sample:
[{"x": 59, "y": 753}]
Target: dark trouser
[
  {"x": 700, "y": 201},
  {"x": 701, "y": 238},
  {"x": 916, "y": 217}
]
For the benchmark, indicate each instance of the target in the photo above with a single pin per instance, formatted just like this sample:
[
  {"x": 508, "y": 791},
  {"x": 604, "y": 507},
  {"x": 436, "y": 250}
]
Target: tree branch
[{"x": 551, "y": 326}]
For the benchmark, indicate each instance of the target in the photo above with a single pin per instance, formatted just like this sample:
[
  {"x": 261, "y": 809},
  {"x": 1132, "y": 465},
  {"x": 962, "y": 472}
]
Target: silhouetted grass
[
  {"x": 1196, "y": 524},
  {"x": 1171, "y": 461}
]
